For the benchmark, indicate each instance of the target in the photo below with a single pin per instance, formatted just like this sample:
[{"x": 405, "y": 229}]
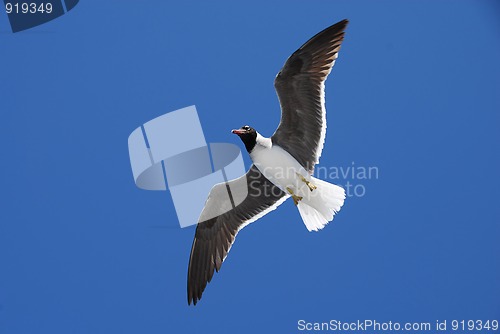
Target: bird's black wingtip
[
  {"x": 342, "y": 24},
  {"x": 192, "y": 300}
]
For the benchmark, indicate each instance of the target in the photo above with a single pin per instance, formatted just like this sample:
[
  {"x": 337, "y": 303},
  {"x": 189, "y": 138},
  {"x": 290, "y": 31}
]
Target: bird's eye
[{"x": 246, "y": 127}]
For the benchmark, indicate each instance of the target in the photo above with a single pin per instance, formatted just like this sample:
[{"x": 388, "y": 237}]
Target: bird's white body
[
  {"x": 278, "y": 166},
  {"x": 317, "y": 207}
]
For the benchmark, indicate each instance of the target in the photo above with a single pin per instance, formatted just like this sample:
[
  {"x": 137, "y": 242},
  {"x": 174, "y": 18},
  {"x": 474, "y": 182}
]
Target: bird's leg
[
  {"x": 309, "y": 184},
  {"x": 295, "y": 198}
]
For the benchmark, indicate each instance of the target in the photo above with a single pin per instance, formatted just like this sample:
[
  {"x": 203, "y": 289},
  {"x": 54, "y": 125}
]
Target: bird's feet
[
  {"x": 309, "y": 184},
  {"x": 295, "y": 198}
]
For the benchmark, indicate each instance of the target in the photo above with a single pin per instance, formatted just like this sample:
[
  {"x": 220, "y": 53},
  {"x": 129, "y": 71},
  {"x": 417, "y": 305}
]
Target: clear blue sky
[{"x": 415, "y": 93}]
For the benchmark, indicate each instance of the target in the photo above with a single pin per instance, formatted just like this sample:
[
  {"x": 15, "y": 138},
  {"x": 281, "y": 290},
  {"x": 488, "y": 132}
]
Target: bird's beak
[{"x": 238, "y": 132}]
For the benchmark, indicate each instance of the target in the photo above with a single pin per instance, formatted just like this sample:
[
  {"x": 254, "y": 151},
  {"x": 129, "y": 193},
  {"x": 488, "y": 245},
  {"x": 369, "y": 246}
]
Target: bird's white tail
[{"x": 319, "y": 207}]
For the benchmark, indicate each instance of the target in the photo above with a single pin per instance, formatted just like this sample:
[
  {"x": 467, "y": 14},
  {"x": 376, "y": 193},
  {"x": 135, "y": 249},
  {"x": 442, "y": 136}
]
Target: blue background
[{"x": 415, "y": 92}]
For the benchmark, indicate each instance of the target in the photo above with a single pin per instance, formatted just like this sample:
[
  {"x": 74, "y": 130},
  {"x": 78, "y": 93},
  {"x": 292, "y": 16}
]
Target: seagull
[{"x": 282, "y": 164}]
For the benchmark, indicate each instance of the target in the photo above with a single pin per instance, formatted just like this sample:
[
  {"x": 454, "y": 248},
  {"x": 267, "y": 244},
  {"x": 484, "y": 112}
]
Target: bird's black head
[{"x": 248, "y": 136}]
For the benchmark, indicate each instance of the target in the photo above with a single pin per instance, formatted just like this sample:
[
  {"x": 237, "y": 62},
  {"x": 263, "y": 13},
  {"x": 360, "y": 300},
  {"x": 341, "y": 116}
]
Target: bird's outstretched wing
[
  {"x": 214, "y": 237},
  {"x": 300, "y": 87}
]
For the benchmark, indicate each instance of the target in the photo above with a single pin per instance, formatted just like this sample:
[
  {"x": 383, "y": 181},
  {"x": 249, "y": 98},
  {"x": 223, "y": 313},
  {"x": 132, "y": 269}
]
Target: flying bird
[{"x": 282, "y": 164}]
